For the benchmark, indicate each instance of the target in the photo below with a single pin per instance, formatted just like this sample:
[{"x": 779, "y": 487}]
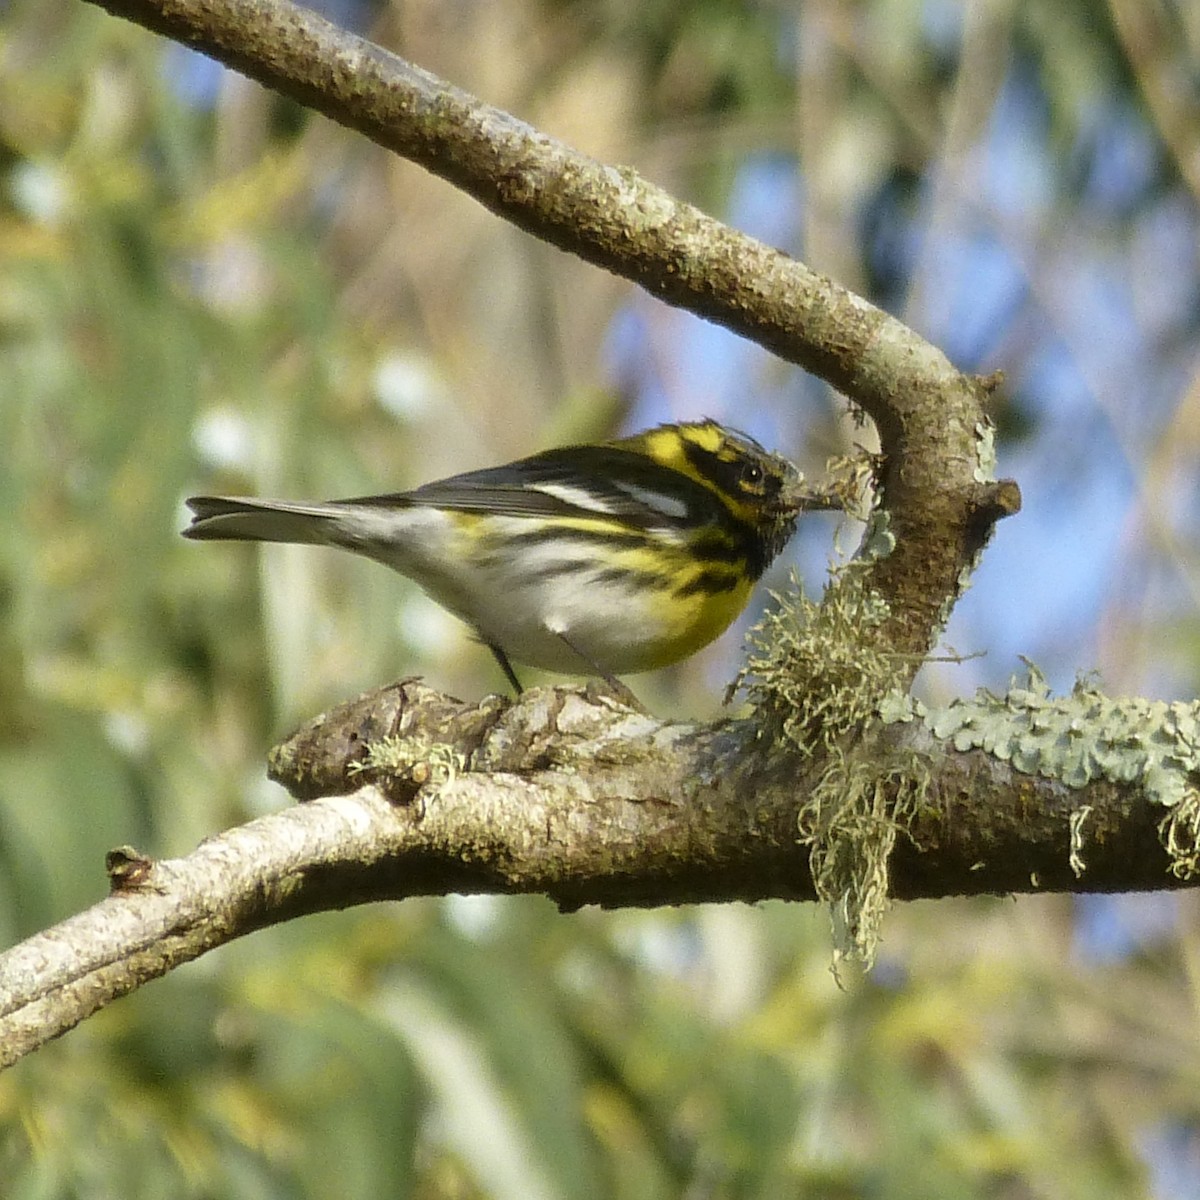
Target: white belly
[
  {"x": 552, "y": 607},
  {"x": 574, "y": 624}
]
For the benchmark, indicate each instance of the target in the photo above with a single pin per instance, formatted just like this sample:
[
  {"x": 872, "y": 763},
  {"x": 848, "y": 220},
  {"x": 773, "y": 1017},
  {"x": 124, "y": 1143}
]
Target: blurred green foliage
[{"x": 217, "y": 292}]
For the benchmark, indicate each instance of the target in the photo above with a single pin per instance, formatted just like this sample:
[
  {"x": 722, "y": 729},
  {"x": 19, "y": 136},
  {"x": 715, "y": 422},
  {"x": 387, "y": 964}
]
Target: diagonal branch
[{"x": 929, "y": 415}]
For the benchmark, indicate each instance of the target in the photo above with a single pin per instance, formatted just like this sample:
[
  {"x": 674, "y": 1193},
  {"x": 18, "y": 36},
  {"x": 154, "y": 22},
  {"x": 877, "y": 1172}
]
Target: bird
[{"x": 602, "y": 559}]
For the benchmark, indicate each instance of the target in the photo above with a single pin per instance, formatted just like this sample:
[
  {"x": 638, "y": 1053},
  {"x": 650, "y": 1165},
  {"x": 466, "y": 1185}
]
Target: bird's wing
[{"x": 573, "y": 481}]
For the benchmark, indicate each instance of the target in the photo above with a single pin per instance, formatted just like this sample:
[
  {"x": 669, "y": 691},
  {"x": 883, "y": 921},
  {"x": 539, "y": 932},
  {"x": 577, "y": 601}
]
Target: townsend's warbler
[{"x": 602, "y": 559}]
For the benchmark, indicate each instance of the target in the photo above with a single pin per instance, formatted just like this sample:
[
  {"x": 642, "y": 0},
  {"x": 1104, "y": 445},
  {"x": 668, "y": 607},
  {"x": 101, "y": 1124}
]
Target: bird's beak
[{"x": 799, "y": 495}]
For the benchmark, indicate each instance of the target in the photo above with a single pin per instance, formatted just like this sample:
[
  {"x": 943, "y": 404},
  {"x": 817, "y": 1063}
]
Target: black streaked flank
[
  {"x": 707, "y": 583},
  {"x": 542, "y": 535},
  {"x": 718, "y": 548},
  {"x": 634, "y": 580}
]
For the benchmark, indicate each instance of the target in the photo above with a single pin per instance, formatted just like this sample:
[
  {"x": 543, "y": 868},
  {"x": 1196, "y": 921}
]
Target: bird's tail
[{"x": 237, "y": 518}]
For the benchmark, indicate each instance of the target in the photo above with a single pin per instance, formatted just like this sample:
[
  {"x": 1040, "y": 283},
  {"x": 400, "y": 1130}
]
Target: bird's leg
[
  {"x": 620, "y": 691},
  {"x": 506, "y": 667}
]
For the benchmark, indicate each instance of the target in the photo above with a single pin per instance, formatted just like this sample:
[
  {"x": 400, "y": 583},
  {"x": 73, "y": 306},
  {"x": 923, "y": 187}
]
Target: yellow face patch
[{"x": 736, "y": 470}]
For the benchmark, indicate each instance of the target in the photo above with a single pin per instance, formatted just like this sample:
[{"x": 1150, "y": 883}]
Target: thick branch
[{"x": 559, "y": 794}]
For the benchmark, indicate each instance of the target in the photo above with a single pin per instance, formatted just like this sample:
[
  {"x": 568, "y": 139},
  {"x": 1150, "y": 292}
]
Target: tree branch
[{"x": 561, "y": 793}]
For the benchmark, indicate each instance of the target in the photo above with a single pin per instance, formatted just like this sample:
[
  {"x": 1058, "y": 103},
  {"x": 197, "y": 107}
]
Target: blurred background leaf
[{"x": 205, "y": 288}]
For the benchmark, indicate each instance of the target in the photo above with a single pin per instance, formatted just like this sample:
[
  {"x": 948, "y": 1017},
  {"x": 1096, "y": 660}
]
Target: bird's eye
[{"x": 752, "y": 474}]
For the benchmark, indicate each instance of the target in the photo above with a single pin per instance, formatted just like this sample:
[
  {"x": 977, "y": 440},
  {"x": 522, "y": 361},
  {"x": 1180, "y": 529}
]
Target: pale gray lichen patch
[
  {"x": 1180, "y": 833},
  {"x": 878, "y": 540},
  {"x": 897, "y": 707},
  {"x": 1087, "y": 736},
  {"x": 1076, "y": 822},
  {"x": 984, "y": 472},
  {"x": 645, "y": 206},
  {"x": 985, "y": 441}
]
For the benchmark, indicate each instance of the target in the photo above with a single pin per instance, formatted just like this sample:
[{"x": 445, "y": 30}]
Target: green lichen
[
  {"x": 1085, "y": 737},
  {"x": 412, "y": 760},
  {"x": 853, "y": 816},
  {"x": 818, "y": 677},
  {"x": 814, "y": 671}
]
